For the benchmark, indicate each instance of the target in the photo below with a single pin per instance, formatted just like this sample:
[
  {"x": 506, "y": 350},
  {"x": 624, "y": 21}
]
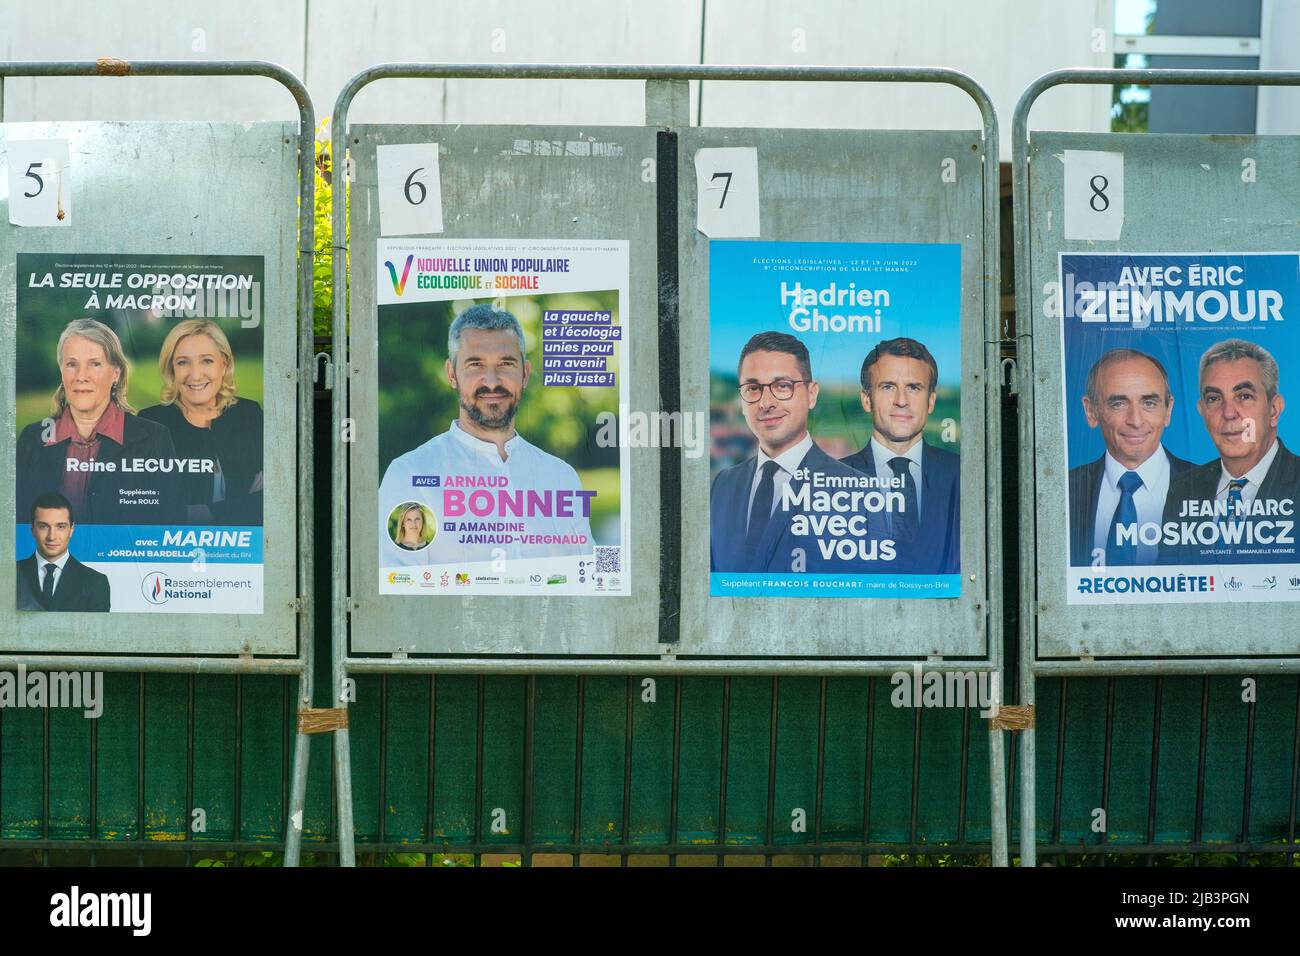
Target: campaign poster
[
  {"x": 835, "y": 411},
  {"x": 503, "y": 365},
  {"x": 138, "y": 471},
  {"x": 1177, "y": 368}
]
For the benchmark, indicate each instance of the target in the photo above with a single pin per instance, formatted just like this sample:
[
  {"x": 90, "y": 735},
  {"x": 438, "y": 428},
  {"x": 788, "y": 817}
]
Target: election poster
[
  {"x": 1176, "y": 373},
  {"x": 835, "y": 419},
  {"x": 138, "y": 469},
  {"x": 503, "y": 365}
]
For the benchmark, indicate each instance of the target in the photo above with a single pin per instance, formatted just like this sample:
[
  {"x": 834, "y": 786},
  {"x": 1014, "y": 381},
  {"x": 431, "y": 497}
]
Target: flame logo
[{"x": 152, "y": 589}]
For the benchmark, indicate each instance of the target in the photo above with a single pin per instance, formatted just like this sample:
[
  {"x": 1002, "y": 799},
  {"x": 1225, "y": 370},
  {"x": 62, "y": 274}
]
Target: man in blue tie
[
  {"x": 899, "y": 379},
  {"x": 1127, "y": 397},
  {"x": 750, "y": 528},
  {"x": 51, "y": 579},
  {"x": 1255, "y": 478}
]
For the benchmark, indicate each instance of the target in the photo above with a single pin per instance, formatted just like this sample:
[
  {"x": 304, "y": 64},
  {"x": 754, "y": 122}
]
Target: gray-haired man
[
  {"x": 1254, "y": 477},
  {"x": 480, "y": 472}
]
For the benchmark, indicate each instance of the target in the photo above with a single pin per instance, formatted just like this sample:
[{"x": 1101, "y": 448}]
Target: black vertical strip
[
  {"x": 821, "y": 769},
  {"x": 530, "y": 717},
  {"x": 189, "y": 769},
  {"x": 722, "y": 771},
  {"x": 383, "y": 759},
  {"x": 677, "y": 767},
  {"x": 670, "y": 459},
  {"x": 963, "y": 776},
  {"x": 1154, "y": 785},
  {"x": 1060, "y": 762},
  {"x": 916, "y": 787},
  {"x": 431, "y": 820},
  {"x": 45, "y": 783},
  {"x": 139, "y": 769},
  {"x": 1250, "y": 760},
  {"x": 768, "y": 837},
  {"x": 478, "y": 768},
  {"x": 1200, "y": 767},
  {"x": 239, "y": 761},
  {"x": 1105, "y": 768},
  {"x": 627, "y": 778},
  {"x": 286, "y": 719},
  {"x": 1295, "y": 778},
  {"x": 866, "y": 779},
  {"x": 577, "y": 768},
  {"x": 94, "y": 786}
]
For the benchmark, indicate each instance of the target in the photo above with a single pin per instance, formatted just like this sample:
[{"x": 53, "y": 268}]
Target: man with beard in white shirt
[{"x": 521, "y": 501}]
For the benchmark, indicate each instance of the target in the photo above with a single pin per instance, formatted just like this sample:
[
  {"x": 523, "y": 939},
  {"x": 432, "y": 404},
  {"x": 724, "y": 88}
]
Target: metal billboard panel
[
  {"x": 151, "y": 189},
  {"x": 844, "y": 187},
  {"x": 1183, "y": 195},
  {"x": 510, "y": 183}
]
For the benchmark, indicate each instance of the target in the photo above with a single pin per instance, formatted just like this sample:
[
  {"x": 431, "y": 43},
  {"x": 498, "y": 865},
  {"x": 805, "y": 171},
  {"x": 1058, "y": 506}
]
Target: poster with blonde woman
[{"x": 138, "y": 478}]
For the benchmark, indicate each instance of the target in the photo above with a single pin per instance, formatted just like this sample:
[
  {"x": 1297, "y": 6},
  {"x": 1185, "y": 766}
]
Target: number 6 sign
[
  {"x": 410, "y": 190},
  {"x": 726, "y": 180},
  {"x": 39, "y": 190}
]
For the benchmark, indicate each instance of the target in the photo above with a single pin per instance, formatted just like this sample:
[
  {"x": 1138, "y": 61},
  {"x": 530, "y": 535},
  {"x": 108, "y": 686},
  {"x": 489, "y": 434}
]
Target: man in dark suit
[
  {"x": 52, "y": 579},
  {"x": 1255, "y": 480},
  {"x": 751, "y": 527},
  {"x": 898, "y": 378},
  {"x": 1127, "y": 397}
]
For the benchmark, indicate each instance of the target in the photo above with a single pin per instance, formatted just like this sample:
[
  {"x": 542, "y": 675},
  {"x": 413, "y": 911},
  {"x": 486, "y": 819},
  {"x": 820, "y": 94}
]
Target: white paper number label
[
  {"x": 40, "y": 191},
  {"x": 410, "y": 190},
  {"x": 1094, "y": 194},
  {"x": 726, "y": 181}
]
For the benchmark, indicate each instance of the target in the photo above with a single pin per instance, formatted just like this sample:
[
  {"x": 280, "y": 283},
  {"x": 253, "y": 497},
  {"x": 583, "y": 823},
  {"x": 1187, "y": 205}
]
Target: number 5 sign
[
  {"x": 1094, "y": 194},
  {"x": 410, "y": 190},
  {"x": 726, "y": 181},
  {"x": 39, "y": 188}
]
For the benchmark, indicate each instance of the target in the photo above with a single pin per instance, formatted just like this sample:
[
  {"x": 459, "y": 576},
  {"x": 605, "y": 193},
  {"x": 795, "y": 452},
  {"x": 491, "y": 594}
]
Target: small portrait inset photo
[{"x": 412, "y": 526}]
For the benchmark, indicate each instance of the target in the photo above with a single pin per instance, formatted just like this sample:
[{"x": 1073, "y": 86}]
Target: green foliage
[{"x": 322, "y": 288}]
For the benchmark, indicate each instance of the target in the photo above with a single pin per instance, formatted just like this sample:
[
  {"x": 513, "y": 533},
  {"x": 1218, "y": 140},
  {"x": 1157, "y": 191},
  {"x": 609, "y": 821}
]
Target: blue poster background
[{"x": 923, "y": 285}]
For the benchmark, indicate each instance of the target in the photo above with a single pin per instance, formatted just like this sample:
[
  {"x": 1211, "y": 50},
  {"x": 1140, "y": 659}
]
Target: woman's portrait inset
[
  {"x": 200, "y": 406},
  {"x": 412, "y": 526}
]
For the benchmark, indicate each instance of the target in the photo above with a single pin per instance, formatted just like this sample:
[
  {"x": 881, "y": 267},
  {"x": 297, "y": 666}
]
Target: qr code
[{"x": 609, "y": 560}]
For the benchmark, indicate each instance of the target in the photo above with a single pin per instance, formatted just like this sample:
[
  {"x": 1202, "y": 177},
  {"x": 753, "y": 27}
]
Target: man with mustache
[
  {"x": 1254, "y": 477},
  {"x": 486, "y": 364}
]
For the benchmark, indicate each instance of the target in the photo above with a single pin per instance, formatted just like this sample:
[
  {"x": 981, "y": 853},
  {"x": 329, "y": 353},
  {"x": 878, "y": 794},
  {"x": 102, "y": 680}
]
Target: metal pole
[
  {"x": 1029, "y": 665},
  {"x": 339, "y": 478},
  {"x": 302, "y": 665}
]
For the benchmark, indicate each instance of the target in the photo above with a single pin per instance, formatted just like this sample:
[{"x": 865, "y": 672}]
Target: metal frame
[
  {"x": 1030, "y": 666},
  {"x": 657, "y": 78},
  {"x": 302, "y": 664}
]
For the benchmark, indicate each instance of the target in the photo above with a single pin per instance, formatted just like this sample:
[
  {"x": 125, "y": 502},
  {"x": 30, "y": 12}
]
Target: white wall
[
  {"x": 1003, "y": 44},
  {"x": 1279, "y": 107},
  {"x": 156, "y": 30}
]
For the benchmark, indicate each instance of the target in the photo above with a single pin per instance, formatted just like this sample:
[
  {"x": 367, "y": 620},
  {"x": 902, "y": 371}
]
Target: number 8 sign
[
  {"x": 40, "y": 193},
  {"x": 1094, "y": 194}
]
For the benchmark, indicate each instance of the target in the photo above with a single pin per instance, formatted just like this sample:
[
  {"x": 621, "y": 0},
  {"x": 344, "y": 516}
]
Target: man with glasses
[
  {"x": 898, "y": 380},
  {"x": 749, "y": 526}
]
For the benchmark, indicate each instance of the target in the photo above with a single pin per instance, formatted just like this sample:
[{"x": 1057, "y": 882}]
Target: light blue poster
[{"x": 835, "y": 410}]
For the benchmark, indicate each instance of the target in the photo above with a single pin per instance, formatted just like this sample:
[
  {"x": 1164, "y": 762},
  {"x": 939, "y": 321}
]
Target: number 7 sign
[
  {"x": 726, "y": 180},
  {"x": 40, "y": 192}
]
